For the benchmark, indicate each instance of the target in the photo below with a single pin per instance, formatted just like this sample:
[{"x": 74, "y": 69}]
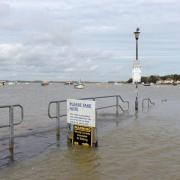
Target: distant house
[
  {"x": 178, "y": 82},
  {"x": 159, "y": 82},
  {"x": 2, "y": 83},
  {"x": 168, "y": 81}
]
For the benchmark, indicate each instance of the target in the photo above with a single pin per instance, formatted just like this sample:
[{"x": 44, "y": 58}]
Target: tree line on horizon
[{"x": 155, "y": 78}]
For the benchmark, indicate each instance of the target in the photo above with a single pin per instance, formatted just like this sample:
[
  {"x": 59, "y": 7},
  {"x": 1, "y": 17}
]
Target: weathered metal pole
[
  {"x": 58, "y": 121},
  {"x": 11, "y": 133},
  {"x": 136, "y": 33},
  {"x": 136, "y": 101},
  {"x": 137, "y": 49}
]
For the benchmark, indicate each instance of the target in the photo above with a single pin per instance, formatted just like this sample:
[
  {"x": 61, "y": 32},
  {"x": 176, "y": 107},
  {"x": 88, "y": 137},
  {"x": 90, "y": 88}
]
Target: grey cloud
[
  {"x": 4, "y": 9},
  {"x": 60, "y": 36},
  {"x": 30, "y": 59},
  {"x": 50, "y": 39},
  {"x": 99, "y": 29}
]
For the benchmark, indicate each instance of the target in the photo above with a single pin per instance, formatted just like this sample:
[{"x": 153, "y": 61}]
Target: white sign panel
[
  {"x": 81, "y": 112},
  {"x": 136, "y": 72}
]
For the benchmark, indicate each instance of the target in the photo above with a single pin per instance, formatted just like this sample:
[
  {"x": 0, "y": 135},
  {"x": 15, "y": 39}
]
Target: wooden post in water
[{"x": 11, "y": 133}]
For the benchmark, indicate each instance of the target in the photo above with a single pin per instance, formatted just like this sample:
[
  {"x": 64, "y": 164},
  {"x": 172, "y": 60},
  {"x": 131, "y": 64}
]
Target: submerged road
[{"x": 131, "y": 146}]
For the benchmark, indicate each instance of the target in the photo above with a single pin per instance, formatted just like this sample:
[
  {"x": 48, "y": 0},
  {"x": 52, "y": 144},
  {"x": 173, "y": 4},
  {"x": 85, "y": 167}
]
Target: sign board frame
[
  {"x": 81, "y": 120},
  {"x": 81, "y": 112}
]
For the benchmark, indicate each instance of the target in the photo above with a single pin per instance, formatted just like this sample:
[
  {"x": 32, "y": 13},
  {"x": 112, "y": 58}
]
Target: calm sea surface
[{"x": 132, "y": 146}]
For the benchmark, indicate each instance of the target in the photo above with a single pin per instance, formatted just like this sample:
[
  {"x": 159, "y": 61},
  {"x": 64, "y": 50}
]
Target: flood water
[{"x": 132, "y": 146}]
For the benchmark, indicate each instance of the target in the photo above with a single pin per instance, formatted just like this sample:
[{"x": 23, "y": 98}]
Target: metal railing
[
  {"x": 11, "y": 125},
  {"x": 58, "y": 106},
  {"x": 148, "y": 100}
]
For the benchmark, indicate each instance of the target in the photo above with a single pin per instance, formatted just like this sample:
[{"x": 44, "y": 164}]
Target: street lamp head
[{"x": 136, "y": 33}]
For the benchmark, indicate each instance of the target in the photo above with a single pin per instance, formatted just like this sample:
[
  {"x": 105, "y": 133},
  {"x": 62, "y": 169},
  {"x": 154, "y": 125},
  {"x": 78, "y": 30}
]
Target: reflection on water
[{"x": 140, "y": 146}]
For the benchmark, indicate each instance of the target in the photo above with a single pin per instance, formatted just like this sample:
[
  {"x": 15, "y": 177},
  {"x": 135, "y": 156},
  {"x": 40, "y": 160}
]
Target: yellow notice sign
[{"x": 82, "y": 135}]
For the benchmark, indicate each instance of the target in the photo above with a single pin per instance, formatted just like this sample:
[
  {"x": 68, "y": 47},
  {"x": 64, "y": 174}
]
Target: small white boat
[
  {"x": 11, "y": 83},
  {"x": 68, "y": 83},
  {"x": 147, "y": 84},
  {"x": 117, "y": 84},
  {"x": 79, "y": 85}
]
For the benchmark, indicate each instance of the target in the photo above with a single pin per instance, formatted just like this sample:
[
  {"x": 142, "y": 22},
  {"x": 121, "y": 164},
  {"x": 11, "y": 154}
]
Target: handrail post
[
  {"x": 11, "y": 132},
  {"x": 148, "y": 102},
  {"x": 57, "y": 121},
  {"x": 142, "y": 103},
  {"x": 117, "y": 106}
]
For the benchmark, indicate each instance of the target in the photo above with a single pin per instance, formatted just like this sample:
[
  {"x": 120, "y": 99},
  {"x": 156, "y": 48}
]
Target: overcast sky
[{"x": 87, "y": 40}]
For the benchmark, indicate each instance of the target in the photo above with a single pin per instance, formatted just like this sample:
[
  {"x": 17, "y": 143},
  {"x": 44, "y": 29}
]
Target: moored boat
[
  {"x": 79, "y": 85},
  {"x": 147, "y": 84},
  {"x": 68, "y": 83},
  {"x": 44, "y": 83}
]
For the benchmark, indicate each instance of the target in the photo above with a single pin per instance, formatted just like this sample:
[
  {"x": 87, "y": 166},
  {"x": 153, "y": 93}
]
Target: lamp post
[{"x": 137, "y": 68}]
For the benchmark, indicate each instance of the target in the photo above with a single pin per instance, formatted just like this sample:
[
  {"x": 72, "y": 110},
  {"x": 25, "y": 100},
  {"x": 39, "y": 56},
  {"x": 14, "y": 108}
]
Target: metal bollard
[{"x": 11, "y": 133}]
